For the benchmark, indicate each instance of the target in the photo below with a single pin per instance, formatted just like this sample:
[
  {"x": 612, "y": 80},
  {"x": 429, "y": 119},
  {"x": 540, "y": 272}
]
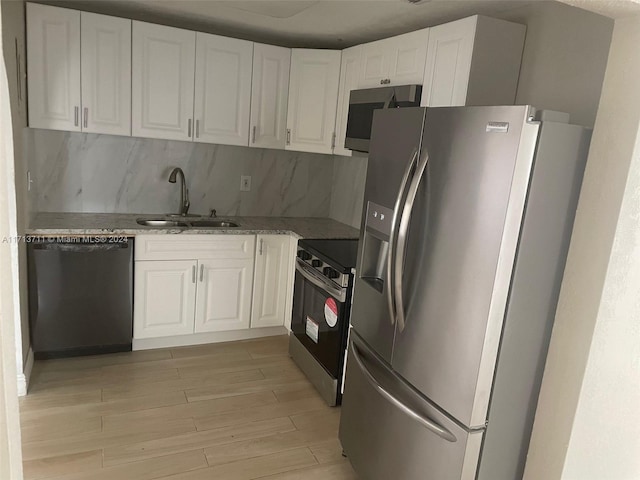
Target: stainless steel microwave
[{"x": 362, "y": 105}]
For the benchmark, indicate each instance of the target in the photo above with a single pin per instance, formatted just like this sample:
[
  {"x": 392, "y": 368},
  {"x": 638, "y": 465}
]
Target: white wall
[
  {"x": 564, "y": 58},
  {"x": 10, "y": 445},
  {"x": 587, "y": 425},
  {"x": 13, "y": 46}
]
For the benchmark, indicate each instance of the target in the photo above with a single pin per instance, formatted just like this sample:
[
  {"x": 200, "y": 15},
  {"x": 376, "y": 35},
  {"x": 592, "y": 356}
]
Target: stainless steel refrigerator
[{"x": 465, "y": 231}]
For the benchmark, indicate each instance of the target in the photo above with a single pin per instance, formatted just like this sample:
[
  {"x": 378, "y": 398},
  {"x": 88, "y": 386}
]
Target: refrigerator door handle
[
  {"x": 401, "y": 245},
  {"x": 410, "y": 412},
  {"x": 393, "y": 236}
]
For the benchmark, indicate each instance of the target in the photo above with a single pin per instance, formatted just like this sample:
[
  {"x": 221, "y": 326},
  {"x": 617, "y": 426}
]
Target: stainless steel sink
[
  {"x": 212, "y": 224},
  {"x": 159, "y": 222},
  {"x": 186, "y": 223}
]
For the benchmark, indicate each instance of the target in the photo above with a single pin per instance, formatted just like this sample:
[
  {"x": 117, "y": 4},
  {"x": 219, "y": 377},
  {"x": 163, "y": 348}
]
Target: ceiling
[
  {"x": 319, "y": 23},
  {"x": 297, "y": 23}
]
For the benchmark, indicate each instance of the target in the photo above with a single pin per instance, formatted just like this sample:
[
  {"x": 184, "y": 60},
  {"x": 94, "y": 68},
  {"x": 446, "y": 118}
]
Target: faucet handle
[{"x": 212, "y": 213}]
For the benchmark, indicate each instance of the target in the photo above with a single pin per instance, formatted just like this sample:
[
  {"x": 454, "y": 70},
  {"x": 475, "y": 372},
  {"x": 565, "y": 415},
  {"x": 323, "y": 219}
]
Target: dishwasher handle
[{"x": 73, "y": 247}]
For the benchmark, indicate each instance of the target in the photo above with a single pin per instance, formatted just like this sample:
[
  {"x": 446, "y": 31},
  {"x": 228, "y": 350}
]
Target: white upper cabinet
[
  {"x": 313, "y": 96},
  {"x": 349, "y": 78},
  {"x": 375, "y": 64},
  {"x": 473, "y": 61},
  {"x": 269, "y": 96},
  {"x": 163, "y": 68},
  {"x": 106, "y": 74},
  {"x": 397, "y": 60},
  {"x": 53, "y": 65},
  {"x": 222, "y": 89}
]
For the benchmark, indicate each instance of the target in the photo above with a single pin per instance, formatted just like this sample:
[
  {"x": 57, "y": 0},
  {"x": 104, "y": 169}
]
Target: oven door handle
[{"x": 320, "y": 282}]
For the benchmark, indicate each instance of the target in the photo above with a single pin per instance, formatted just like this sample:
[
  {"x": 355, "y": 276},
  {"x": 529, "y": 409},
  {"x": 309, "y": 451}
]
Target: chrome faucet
[{"x": 184, "y": 192}]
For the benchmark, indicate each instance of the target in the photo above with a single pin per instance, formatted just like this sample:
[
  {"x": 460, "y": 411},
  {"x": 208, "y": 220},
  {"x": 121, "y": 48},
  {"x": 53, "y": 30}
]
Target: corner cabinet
[
  {"x": 473, "y": 61},
  {"x": 349, "y": 79},
  {"x": 269, "y": 96},
  {"x": 272, "y": 279},
  {"x": 313, "y": 94},
  {"x": 396, "y": 60},
  {"x": 163, "y": 69}
]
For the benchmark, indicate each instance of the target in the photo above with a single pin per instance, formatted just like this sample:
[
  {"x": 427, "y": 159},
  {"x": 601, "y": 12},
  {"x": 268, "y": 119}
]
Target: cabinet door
[
  {"x": 224, "y": 294},
  {"x": 269, "y": 96},
  {"x": 106, "y": 74},
  {"x": 313, "y": 98},
  {"x": 163, "y": 68},
  {"x": 164, "y": 298},
  {"x": 446, "y": 74},
  {"x": 223, "y": 89},
  {"x": 349, "y": 78},
  {"x": 408, "y": 54},
  {"x": 271, "y": 280},
  {"x": 53, "y": 66},
  {"x": 375, "y": 64}
]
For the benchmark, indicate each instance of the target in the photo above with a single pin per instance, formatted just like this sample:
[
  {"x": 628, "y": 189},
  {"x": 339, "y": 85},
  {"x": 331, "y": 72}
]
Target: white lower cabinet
[
  {"x": 223, "y": 301},
  {"x": 165, "y": 297},
  {"x": 273, "y": 260},
  {"x": 203, "y": 288}
]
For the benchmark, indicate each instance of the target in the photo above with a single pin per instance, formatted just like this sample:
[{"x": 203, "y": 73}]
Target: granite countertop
[{"x": 125, "y": 224}]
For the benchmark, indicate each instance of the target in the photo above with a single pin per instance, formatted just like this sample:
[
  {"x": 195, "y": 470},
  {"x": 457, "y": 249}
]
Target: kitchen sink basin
[
  {"x": 156, "y": 222},
  {"x": 186, "y": 223},
  {"x": 212, "y": 224}
]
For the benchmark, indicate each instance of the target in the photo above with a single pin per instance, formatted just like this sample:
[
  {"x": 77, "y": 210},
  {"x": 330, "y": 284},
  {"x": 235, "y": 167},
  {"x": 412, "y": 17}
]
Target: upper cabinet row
[{"x": 102, "y": 74}]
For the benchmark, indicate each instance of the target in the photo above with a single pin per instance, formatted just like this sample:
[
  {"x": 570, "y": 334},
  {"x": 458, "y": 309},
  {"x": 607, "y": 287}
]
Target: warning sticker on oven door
[
  {"x": 312, "y": 329},
  {"x": 331, "y": 312}
]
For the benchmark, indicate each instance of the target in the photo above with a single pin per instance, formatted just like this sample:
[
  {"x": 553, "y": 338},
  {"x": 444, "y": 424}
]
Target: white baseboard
[
  {"x": 23, "y": 378},
  {"x": 208, "y": 337}
]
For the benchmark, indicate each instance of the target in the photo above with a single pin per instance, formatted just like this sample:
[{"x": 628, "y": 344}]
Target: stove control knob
[
  {"x": 330, "y": 272},
  {"x": 304, "y": 255},
  {"x": 316, "y": 263}
]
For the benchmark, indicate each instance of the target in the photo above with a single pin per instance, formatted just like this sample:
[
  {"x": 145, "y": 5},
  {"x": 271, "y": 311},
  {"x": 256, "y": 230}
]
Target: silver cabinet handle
[
  {"x": 261, "y": 242},
  {"x": 333, "y": 140},
  {"x": 197, "y": 128},
  {"x": 288, "y": 136},
  {"x": 193, "y": 274},
  {"x": 394, "y": 234},
  {"x": 75, "y": 115},
  {"x": 403, "y": 230},
  {"x": 426, "y": 422},
  {"x": 85, "y": 121},
  {"x": 201, "y": 272},
  {"x": 253, "y": 134},
  {"x": 189, "y": 128}
]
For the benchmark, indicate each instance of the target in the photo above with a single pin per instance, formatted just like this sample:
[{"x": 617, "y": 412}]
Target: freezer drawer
[{"x": 382, "y": 440}]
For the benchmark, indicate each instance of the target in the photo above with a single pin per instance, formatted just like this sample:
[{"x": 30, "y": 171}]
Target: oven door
[{"x": 319, "y": 318}]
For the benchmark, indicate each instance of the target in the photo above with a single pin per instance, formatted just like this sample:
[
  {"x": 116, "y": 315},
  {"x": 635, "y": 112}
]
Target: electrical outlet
[{"x": 245, "y": 183}]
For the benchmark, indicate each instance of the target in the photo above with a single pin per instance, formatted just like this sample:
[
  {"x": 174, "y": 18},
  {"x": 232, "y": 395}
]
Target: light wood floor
[{"x": 232, "y": 411}]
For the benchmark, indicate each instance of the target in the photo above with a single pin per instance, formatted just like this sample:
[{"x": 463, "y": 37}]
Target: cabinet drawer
[{"x": 197, "y": 246}]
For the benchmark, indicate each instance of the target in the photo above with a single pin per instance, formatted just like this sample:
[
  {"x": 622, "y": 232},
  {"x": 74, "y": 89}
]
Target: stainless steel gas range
[{"x": 321, "y": 310}]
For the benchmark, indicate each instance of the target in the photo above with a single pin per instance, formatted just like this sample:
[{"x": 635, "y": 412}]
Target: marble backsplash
[{"x": 91, "y": 173}]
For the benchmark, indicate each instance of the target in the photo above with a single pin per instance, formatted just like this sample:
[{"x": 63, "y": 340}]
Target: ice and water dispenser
[{"x": 375, "y": 245}]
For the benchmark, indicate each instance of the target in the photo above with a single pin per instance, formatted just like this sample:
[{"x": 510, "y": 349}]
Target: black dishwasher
[{"x": 80, "y": 295}]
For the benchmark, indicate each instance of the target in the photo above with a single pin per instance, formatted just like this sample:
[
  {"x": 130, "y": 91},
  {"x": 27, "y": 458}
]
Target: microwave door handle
[
  {"x": 425, "y": 421},
  {"x": 394, "y": 234},
  {"x": 403, "y": 230}
]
